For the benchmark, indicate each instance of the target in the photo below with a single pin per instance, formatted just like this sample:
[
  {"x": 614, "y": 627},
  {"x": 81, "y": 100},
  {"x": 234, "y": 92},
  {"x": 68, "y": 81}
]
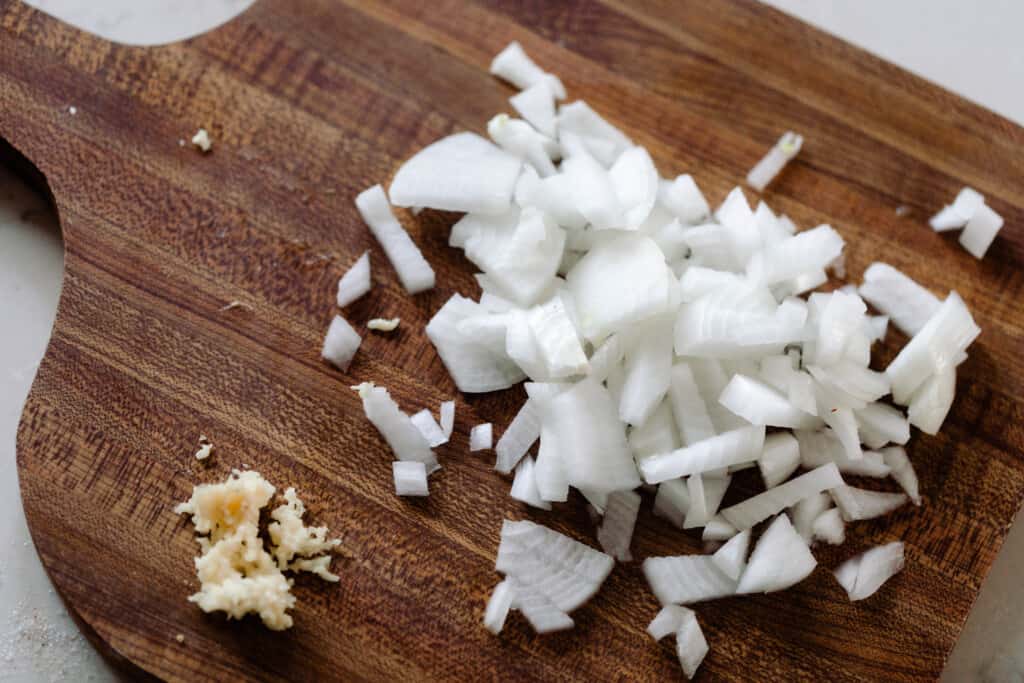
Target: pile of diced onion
[{"x": 666, "y": 346}]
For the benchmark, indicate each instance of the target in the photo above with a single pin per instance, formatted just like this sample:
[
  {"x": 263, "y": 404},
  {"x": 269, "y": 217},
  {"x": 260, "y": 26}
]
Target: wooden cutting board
[{"x": 309, "y": 102}]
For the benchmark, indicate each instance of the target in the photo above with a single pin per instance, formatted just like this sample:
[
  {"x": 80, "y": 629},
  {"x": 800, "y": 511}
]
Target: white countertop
[{"x": 975, "y": 53}]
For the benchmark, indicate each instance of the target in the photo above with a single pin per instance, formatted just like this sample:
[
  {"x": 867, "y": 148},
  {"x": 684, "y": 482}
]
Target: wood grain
[{"x": 311, "y": 101}]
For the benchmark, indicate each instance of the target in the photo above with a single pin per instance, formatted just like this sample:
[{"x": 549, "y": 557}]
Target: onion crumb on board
[
  {"x": 383, "y": 324},
  {"x": 202, "y": 140},
  {"x": 205, "y": 448}
]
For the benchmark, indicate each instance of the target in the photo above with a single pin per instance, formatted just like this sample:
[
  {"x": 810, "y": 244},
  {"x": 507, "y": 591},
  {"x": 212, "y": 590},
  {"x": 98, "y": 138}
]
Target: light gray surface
[{"x": 970, "y": 48}]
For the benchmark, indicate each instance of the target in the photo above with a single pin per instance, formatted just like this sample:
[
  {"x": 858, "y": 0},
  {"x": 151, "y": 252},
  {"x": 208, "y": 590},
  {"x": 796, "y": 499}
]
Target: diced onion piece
[
  {"x": 858, "y": 385},
  {"x": 591, "y": 440},
  {"x": 706, "y": 494},
  {"x": 779, "y": 458},
  {"x": 698, "y": 281},
  {"x": 778, "y": 156},
  {"x": 513, "y": 65},
  {"x": 844, "y": 426},
  {"x": 731, "y": 558},
  {"x": 557, "y": 340},
  {"x": 762, "y": 506},
  {"x": 340, "y": 343},
  {"x": 841, "y": 316},
  {"x": 861, "y": 576},
  {"x": 657, "y": 435},
  {"x": 549, "y": 472},
  {"x": 542, "y": 612},
  {"x": 672, "y": 501},
  {"x": 448, "y": 417},
  {"x": 691, "y": 646},
  {"x": 806, "y": 511},
  {"x": 879, "y": 325},
  {"x": 619, "y": 283},
  {"x": 616, "y": 530},
  {"x": 667, "y": 621},
  {"x": 715, "y": 327},
  {"x": 771, "y": 228},
  {"x": 566, "y": 572},
  {"x": 603, "y": 140},
  {"x": 759, "y": 404},
  {"x": 518, "y": 250},
  {"x": 780, "y": 559},
  {"x": 908, "y": 304},
  {"x": 521, "y": 140},
  {"x": 691, "y": 414},
  {"x": 779, "y": 371},
  {"x": 480, "y": 437},
  {"x": 524, "y": 486},
  {"x": 410, "y": 478},
  {"x": 383, "y": 324},
  {"x": 429, "y": 428},
  {"x": 980, "y": 231},
  {"x": 598, "y": 502},
  {"x": 880, "y": 424},
  {"x": 829, "y": 527},
  {"x": 473, "y": 364},
  {"x": 935, "y": 348},
  {"x": 740, "y": 227},
  {"x": 711, "y": 378},
  {"x": 717, "y": 530},
  {"x": 648, "y": 371},
  {"x": 518, "y": 437},
  {"x": 413, "y": 270},
  {"x": 635, "y": 180},
  {"x": 822, "y": 447},
  {"x": 857, "y": 504},
  {"x": 946, "y": 219},
  {"x": 498, "y": 606},
  {"x": 931, "y": 402},
  {"x": 395, "y": 426},
  {"x": 555, "y": 196},
  {"x": 605, "y": 356},
  {"x": 902, "y": 471},
  {"x": 355, "y": 282},
  {"x": 968, "y": 200},
  {"x": 462, "y": 172},
  {"x": 686, "y": 579},
  {"x": 794, "y": 256},
  {"x": 684, "y": 199},
  {"x": 733, "y": 447},
  {"x": 521, "y": 346},
  {"x": 957, "y": 214},
  {"x": 670, "y": 238},
  {"x": 536, "y": 104}
]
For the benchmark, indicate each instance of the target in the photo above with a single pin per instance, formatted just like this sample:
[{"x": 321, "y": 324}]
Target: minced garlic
[
  {"x": 291, "y": 537},
  {"x": 237, "y": 574}
]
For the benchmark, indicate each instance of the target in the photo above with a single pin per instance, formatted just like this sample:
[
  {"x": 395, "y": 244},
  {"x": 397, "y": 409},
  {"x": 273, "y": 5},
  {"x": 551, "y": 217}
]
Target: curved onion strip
[
  {"x": 616, "y": 530},
  {"x": 780, "y": 559},
  {"x": 762, "y": 506},
  {"x": 686, "y": 579},
  {"x": 863, "y": 575}
]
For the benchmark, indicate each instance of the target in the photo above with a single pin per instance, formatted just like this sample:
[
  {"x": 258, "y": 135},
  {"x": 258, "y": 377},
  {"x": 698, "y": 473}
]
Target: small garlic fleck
[{"x": 383, "y": 324}]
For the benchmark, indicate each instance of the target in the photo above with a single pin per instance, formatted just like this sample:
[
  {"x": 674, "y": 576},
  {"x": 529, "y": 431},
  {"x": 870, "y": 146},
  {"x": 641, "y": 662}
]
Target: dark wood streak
[{"x": 308, "y": 103}]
